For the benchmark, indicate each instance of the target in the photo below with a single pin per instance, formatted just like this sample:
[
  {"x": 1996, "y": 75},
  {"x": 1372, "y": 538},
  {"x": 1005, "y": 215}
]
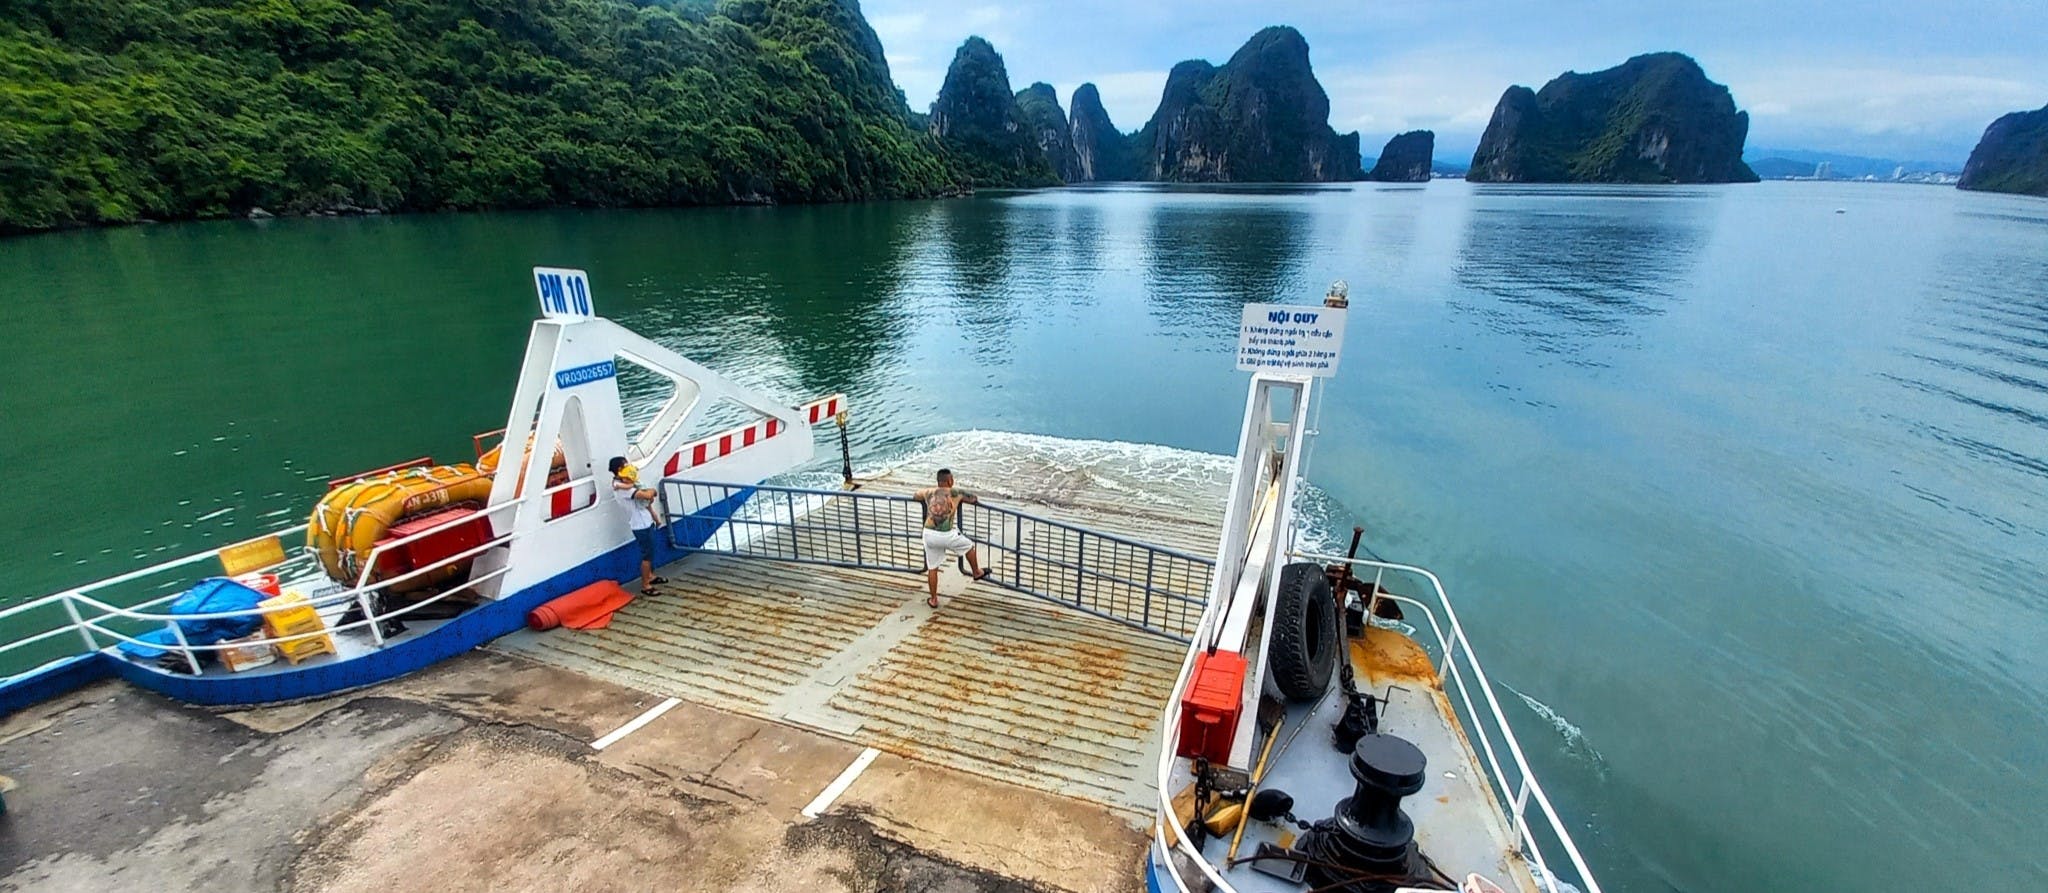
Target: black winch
[{"x": 1369, "y": 845}]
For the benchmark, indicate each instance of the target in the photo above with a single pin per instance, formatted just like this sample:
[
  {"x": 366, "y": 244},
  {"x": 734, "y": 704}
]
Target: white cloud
[
  {"x": 1889, "y": 109},
  {"x": 1447, "y": 89},
  {"x": 896, "y": 28},
  {"x": 920, "y": 47},
  {"x": 1130, "y": 97}
]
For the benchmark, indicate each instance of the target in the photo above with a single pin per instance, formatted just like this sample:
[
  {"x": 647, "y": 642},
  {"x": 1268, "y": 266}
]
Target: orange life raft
[{"x": 352, "y": 517}]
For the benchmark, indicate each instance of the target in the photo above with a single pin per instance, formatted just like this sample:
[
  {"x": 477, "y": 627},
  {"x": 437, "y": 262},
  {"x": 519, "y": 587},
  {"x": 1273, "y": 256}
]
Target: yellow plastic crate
[{"x": 292, "y": 614}]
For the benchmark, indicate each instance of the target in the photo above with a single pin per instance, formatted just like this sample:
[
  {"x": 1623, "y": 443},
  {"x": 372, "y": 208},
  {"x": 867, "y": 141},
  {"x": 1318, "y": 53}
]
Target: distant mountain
[
  {"x": 2012, "y": 156},
  {"x": 1653, "y": 119},
  {"x": 1101, "y": 152},
  {"x": 1775, "y": 168},
  {"x": 1261, "y": 117},
  {"x": 1406, "y": 158},
  {"x": 977, "y": 120},
  {"x": 1848, "y": 167},
  {"x": 1047, "y": 124},
  {"x": 1442, "y": 168}
]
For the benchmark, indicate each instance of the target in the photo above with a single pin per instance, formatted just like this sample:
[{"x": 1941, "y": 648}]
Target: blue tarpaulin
[{"x": 211, "y": 596}]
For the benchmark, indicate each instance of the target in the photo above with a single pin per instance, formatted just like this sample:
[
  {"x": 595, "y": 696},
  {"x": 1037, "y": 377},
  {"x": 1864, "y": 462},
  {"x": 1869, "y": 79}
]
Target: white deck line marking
[
  {"x": 634, "y": 726},
  {"x": 840, "y": 784}
]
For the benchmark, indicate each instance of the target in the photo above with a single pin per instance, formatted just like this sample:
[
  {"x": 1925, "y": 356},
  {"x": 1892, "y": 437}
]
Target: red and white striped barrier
[
  {"x": 823, "y": 407},
  {"x": 725, "y": 443}
]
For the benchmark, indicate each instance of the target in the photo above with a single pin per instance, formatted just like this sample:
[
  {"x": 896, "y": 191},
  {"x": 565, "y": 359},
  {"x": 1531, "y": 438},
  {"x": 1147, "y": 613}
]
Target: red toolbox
[
  {"x": 1209, "y": 711},
  {"x": 434, "y": 549}
]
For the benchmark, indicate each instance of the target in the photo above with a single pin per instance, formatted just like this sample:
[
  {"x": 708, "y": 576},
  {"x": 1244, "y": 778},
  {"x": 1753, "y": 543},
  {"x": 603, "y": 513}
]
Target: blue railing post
[
  {"x": 1150, "y": 557},
  {"x": 1080, "y": 561},
  {"x": 859, "y": 557}
]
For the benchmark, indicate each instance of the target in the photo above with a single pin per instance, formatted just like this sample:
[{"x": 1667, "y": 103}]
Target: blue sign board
[{"x": 569, "y": 378}]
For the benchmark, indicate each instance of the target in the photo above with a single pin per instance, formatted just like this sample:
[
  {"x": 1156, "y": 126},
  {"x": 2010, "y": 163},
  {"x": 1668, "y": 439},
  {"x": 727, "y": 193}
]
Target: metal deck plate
[
  {"x": 1458, "y": 822},
  {"x": 994, "y": 682}
]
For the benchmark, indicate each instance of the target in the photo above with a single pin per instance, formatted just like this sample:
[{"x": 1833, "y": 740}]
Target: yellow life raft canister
[
  {"x": 352, "y": 517},
  {"x": 558, "y": 469}
]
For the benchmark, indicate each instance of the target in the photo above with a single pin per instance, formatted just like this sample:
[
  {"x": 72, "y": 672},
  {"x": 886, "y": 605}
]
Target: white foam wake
[
  {"x": 1148, "y": 476},
  {"x": 1574, "y": 737}
]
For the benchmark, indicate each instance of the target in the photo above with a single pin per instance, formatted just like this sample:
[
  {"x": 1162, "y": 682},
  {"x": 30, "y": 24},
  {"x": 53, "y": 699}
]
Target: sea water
[{"x": 1741, "y": 492}]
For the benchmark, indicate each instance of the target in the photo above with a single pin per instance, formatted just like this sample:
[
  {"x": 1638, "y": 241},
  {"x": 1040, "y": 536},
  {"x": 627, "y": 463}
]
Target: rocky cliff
[
  {"x": 1653, "y": 119},
  {"x": 1262, "y": 117},
  {"x": 1101, "y": 152},
  {"x": 1406, "y": 158},
  {"x": 2012, "y": 156},
  {"x": 1047, "y": 124},
  {"x": 977, "y": 120}
]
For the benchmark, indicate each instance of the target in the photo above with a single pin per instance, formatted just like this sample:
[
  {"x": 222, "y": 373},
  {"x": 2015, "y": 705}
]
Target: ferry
[{"x": 449, "y": 677}]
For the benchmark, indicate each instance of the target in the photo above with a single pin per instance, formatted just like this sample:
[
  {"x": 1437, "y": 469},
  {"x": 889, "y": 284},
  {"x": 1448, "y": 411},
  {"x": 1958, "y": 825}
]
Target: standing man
[
  {"x": 942, "y": 531},
  {"x": 639, "y": 503}
]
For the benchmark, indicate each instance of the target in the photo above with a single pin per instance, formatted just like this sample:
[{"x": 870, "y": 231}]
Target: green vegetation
[
  {"x": 1039, "y": 106},
  {"x": 1653, "y": 119},
  {"x": 984, "y": 132},
  {"x": 119, "y": 110},
  {"x": 2012, "y": 156},
  {"x": 1261, "y": 118}
]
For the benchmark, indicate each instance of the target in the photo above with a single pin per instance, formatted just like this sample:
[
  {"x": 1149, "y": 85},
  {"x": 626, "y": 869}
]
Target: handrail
[
  {"x": 362, "y": 586},
  {"x": 1152, "y": 588},
  {"x": 1454, "y": 647},
  {"x": 892, "y": 497},
  {"x": 1457, "y": 644},
  {"x": 90, "y": 627}
]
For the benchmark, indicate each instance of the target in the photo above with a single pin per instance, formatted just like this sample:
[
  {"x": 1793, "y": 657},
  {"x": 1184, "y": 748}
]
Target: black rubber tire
[{"x": 1307, "y": 636}]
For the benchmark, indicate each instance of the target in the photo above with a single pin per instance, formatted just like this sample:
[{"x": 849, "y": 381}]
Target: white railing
[
  {"x": 92, "y": 629},
  {"x": 1457, "y": 659}
]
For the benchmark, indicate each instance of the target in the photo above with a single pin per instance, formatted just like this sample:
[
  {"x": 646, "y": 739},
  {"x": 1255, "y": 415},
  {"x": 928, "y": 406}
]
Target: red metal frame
[{"x": 477, "y": 441}]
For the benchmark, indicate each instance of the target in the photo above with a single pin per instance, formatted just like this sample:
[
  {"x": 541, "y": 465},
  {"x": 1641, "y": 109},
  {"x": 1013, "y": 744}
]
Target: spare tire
[{"x": 1307, "y": 641}]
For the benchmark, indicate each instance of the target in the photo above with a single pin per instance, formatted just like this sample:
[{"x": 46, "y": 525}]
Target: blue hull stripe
[{"x": 474, "y": 627}]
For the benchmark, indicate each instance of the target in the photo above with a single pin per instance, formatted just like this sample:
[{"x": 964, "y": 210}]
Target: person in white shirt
[{"x": 639, "y": 503}]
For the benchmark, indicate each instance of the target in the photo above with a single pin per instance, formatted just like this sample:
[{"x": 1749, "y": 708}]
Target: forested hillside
[{"x": 118, "y": 110}]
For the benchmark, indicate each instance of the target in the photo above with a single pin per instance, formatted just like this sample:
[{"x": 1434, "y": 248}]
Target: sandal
[
  {"x": 657, "y": 581},
  {"x": 982, "y": 576},
  {"x": 932, "y": 601}
]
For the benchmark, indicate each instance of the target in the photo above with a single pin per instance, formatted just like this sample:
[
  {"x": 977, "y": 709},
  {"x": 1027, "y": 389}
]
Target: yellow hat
[{"x": 629, "y": 473}]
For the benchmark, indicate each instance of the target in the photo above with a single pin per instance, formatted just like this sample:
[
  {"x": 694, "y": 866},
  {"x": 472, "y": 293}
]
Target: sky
[{"x": 1912, "y": 81}]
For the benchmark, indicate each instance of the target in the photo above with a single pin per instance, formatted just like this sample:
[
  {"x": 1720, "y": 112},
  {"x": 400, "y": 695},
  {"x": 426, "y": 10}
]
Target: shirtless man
[{"x": 941, "y": 530}]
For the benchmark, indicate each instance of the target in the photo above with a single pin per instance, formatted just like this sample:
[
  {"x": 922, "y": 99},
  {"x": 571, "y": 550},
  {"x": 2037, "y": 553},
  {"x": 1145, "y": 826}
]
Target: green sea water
[{"x": 1742, "y": 492}]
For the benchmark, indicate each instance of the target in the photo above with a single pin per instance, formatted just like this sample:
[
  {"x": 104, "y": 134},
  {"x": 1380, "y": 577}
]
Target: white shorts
[{"x": 939, "y": 542}]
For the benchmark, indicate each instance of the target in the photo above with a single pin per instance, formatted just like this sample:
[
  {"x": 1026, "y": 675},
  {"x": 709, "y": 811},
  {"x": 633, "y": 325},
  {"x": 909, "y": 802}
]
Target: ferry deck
[
  {"x": 787, "y": 713},
  {"x": 1002, "y": 743}
]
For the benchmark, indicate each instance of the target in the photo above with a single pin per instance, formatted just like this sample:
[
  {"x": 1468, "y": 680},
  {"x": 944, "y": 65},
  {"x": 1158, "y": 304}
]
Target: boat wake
[
  {"x": 1148, "y": 477},
  {"x": 1575, "y": 742}
]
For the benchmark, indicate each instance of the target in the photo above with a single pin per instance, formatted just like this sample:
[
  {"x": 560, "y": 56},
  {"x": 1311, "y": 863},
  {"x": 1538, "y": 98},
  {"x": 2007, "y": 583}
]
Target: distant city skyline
[{"x": 1911, "y": 81}]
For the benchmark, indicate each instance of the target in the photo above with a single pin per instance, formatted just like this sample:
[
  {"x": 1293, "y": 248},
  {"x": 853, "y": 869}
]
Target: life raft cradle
[{"x": 353, "y": 517}]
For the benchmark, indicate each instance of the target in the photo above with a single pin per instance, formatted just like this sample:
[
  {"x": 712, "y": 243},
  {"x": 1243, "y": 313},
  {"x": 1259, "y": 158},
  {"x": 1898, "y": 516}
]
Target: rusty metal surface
[
  {"x": 1458, "y": 821},
  {"x": 729, "y": 632},
  {"x": 1013, "y": 688},
  {"x": 996, "y": 683}
]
